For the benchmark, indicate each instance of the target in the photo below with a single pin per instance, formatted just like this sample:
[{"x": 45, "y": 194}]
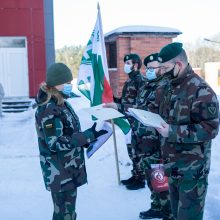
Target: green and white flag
[{"x": 93, "y": 77}]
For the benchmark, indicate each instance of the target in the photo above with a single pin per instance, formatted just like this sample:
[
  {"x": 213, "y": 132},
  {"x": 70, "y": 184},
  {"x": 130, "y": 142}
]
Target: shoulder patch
[
  {"x": 212, "y": 109},
  {"x": 48, "y": 125},
  {"x": 49, "y": 128}
]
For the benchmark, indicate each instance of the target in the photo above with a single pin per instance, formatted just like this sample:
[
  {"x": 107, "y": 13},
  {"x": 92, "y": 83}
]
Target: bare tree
[
  {"x": 202, "y": 51},
  {"x": 71, "y": 56}
]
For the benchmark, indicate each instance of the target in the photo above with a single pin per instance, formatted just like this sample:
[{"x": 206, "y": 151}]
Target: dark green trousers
[
  {"x": 188, "y": 198},
  {"x": 137, "y": 169},
  {"x": 64, "y": 205}
]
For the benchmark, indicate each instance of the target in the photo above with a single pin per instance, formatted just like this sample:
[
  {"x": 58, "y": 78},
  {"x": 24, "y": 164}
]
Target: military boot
[
  {"x": 151, "y": 214},
  {"x": 136, "y": 184},
  {"x": 128, "y": 181}
]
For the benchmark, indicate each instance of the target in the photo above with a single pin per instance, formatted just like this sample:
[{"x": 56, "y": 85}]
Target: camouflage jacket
[
  {"x": 191, "y": 109},
  {"x": 147, "y": 138},
  {"x": 60, "y": 144},
  {"x": 130, "y": 91}
]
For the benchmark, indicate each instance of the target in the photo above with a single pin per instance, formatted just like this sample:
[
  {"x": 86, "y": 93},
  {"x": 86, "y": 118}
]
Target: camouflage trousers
[
  {"x": 64, "y": 205},
  {"x": 137, "y": 169},
  {"x": 160, "y": 201},
  {"x": 188, "y": 198}
]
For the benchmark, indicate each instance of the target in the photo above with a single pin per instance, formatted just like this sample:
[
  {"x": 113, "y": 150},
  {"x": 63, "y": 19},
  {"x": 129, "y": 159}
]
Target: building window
[
  {"x": 112, "y": 62},
  {"x": 12, "y": 42}
]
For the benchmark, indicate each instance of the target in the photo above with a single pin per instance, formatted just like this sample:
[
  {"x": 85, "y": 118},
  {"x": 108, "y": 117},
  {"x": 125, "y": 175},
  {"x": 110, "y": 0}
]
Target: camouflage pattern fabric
[
  {"x": 188, "y": 197},
  {"x": 64, "y": 205},
  {"x": 129, "y": 97},
  {"x": 147, "y": 138},
  {"x": 60, "y": 144},
  {"x": 191, "y": 109},
  {"x": 137, "y": 170},
  {"x": 148, "y": 142},
  {"x": 130, "y": 92}
]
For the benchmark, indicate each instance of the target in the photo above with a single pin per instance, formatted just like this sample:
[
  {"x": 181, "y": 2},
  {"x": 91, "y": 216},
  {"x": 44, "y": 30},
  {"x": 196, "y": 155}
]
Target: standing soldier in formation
[
  {"x": 130, "y": 90},
  {"x": 190, "y": 109},
  {"x": 148, "y": 141},
  {"x": 61, "y": 141}
]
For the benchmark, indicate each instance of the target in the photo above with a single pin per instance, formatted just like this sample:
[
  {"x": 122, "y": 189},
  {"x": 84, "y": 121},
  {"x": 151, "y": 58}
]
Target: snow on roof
[{"x": 143, "y": 29}]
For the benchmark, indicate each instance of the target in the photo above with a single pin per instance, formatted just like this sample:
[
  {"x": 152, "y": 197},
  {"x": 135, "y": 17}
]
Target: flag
[{"x": 93, "y": 78}]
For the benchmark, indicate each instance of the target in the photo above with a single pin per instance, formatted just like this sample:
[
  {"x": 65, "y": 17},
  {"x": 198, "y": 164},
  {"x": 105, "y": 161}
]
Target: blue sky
[{"x": 74, "y": 19}]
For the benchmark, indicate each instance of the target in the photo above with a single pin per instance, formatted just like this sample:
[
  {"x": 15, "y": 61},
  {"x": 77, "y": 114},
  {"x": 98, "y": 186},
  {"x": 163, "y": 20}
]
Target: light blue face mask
[
  {"x": 67, "y": 89},
  {"x": 151, "y": 74},
  {"x": 127, "y": 68}
]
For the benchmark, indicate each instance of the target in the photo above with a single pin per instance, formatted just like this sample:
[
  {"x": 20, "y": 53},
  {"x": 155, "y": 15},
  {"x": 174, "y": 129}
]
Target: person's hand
[
  {"x": 86, "y": 145},
  {"x": 97, "y": 133},
  {"x": 110, "y": 105},
  {"x": 164, "y": 131}
]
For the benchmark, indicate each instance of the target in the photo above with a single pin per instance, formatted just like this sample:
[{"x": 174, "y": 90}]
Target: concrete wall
[{"x": 212, "y": 70}]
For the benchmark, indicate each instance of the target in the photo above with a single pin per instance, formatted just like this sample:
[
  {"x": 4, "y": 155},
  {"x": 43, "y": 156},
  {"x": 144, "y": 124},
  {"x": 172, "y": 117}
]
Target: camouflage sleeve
[
  {"x": 204, "y": 117},
  {"x": 58, "y": 141}
]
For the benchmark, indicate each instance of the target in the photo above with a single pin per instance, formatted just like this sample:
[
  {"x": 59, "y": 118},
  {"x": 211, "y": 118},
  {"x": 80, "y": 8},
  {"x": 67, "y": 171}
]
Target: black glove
[
  {"x": 117, "y": 100},
  {"x": 97, "y": 133}
]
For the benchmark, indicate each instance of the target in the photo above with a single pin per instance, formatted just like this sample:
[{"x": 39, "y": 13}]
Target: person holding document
[
  {"x": 148, "y": 141},
  {"x": 61, "y": 141},
  {"x": 190, "y": 108},
  {"x": 132, "y": 66}
]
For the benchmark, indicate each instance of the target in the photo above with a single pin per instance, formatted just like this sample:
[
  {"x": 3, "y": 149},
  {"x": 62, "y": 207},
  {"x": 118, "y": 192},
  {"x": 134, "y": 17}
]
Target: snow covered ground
[{"x": 22, "y": 192}]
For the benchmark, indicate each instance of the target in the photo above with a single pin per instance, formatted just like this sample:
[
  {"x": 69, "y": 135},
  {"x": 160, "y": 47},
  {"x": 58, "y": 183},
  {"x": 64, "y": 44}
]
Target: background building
[
  {"x": 26, "y": 45},
  {"x": 142, "y": 40}
]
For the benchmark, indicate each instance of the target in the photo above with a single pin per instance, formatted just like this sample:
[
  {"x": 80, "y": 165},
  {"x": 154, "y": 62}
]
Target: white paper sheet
[
  {"x": 146, "y": 118},
  {"x": 103, "y": 113}
]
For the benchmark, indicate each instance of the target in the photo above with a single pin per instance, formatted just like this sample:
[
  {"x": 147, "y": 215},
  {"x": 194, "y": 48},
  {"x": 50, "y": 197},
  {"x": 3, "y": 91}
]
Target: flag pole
[{"x": 116, "y": 152}]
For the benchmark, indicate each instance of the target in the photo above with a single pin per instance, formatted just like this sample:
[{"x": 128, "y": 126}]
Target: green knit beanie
[{"x": 57, "y": 74}]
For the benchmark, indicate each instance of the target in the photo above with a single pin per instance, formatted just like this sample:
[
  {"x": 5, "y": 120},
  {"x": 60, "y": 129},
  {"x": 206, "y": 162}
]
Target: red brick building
[{"x": 142, "y": 40}]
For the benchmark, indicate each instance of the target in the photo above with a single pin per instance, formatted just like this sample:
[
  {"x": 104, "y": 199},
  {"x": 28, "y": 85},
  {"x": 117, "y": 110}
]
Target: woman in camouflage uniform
[{"x": 61, "y": 141}]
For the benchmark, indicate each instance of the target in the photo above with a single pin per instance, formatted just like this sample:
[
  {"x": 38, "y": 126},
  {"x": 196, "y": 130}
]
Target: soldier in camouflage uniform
[
  {"x": 129, "y": 96},
  {"x": 61, "y": 141},
  {"x": 190, "y": 109},
  {"x": 147, "y": 139}
]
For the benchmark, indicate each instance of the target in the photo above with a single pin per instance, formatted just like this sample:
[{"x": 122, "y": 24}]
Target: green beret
[
  {"x": 131, "y": 56},
  {"x": 169, "y": 52},
  {"x": 57, "y": 74},
  {"x": 152, "y": 57}
]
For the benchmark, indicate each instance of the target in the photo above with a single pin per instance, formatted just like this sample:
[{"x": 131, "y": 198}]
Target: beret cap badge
[{"x": 160, "y": 59}]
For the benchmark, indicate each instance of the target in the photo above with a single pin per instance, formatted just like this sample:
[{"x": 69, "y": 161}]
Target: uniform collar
[
  {"x": 188, "y": 70},
  {"x": 133, "y": 74}
]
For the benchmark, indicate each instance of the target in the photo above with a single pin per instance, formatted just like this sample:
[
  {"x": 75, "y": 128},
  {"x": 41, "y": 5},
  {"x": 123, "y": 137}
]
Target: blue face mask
[
  {"x": 67, "y": 89},
  {"x": 151, "y": 74},
  {"x": 127, "y": 68}
]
